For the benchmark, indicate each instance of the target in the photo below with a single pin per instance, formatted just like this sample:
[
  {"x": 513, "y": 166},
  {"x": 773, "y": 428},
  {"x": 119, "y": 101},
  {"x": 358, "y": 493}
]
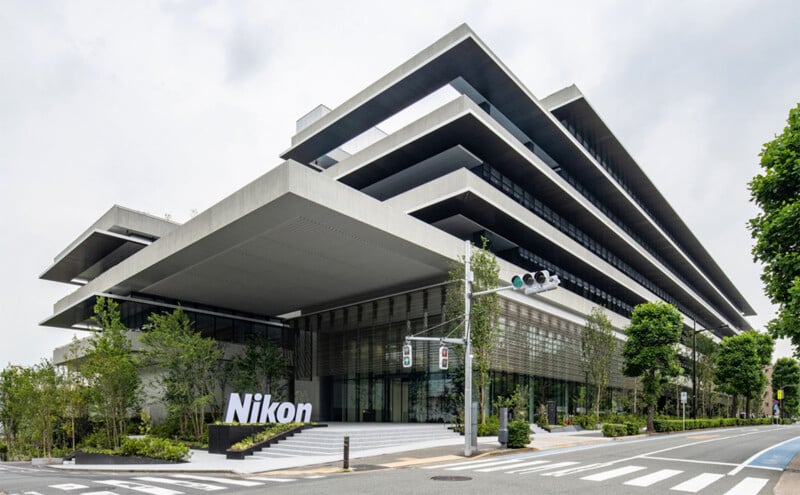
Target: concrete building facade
[{"x": 343, "y": 249}]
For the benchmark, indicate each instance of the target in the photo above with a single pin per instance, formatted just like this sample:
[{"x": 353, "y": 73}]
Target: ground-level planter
[
  {"x": 104, "y": 459},
  {"x": 241, "y": 454},
  {"x": 221, "y": 437}
]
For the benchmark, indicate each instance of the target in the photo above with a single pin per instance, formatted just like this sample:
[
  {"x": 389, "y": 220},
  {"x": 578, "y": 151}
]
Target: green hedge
[
  {"x": 155, "y": 448},
  {"x": 667, "y": 425},
  {"x": 519, "y": 434},
  {"x": 619, "y": 429}
]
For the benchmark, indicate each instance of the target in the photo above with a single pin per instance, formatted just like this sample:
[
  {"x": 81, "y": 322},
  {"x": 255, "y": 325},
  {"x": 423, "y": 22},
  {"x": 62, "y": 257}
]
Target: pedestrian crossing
[
  {"x": 158, "y": 484},
  {"x": 633, "y": 474}
]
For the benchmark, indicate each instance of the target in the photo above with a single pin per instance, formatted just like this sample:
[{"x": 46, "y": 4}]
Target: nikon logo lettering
[{"x": 257, "y": 408}]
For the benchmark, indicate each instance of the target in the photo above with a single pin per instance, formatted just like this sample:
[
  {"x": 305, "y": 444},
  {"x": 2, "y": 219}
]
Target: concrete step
[{"x": 329, "y": 441}]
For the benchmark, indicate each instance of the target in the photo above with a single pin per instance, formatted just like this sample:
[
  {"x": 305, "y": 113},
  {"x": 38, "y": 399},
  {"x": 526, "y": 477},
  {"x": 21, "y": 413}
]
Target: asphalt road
[{"x": 739, "y": 461}]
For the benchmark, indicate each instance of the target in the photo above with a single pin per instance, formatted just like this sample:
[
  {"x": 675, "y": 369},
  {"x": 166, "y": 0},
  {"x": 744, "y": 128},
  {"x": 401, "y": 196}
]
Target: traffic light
[
  {"x": 407, "y": 356},
  {"x": 533, "y": 283},
  {"x": 443, "y": 358}
]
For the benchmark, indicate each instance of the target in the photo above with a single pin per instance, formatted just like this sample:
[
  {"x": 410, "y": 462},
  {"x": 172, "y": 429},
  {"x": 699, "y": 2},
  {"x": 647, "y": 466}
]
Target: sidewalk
[{"x": 394, "y": 456}]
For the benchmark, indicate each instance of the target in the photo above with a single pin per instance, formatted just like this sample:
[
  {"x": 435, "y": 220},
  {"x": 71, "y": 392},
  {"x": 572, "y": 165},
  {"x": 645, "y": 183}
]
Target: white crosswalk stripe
[
  {"x": 653, "y": 478},
  {"x": 215, "y": 479},
  {"x": 69, "y": 486},
  {"x": 140, "y": 487},
  {"x": 748, "y": 486},
  {"x": 547, "y": 467},
  {"x": 604, "y": 472},
  {"x": 509, "y": 466},
  {"x": 196, "y": 485},
  {"x": 697, "y": 483},
  {"x": 614, "y": 473}
]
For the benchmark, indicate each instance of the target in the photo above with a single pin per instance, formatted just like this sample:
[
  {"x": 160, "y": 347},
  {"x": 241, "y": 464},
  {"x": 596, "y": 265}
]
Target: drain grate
[{"x": 451, "y": 478}]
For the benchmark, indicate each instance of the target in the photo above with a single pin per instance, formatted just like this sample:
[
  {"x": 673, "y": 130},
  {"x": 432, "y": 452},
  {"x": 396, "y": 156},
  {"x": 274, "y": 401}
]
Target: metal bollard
[
  {"x": 502, "y": 435},
  {"x": 346, "y": 462}
]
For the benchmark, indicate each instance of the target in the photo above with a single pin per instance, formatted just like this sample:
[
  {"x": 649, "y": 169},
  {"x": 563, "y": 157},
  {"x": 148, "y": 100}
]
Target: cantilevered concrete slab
[
  {"x": 461, "y": 55},
  {"x": 116, "y": 235},
  {"x": 463, "y": 123},
  {"x": 291, "y": 240},
  {"x": 570, "y": 104}
]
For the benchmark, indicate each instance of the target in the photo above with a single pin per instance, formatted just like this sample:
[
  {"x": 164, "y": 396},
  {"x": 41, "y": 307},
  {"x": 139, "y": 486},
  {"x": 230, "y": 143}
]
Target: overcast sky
[{"x": 168, "y": 107}]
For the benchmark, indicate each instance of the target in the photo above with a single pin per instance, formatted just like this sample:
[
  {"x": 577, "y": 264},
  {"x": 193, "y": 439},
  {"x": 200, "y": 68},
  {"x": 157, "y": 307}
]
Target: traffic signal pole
[
  {"x": 527, "y": 283},
  {"x": 467, "y": 352}
]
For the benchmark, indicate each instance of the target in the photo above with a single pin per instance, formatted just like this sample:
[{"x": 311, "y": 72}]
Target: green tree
[
  {"x": 30, "y": 404},
  {"x": 651, "y": 350},
  {"x": 740, "y": 364},
  {"x": 110, "y": 372},
  {"x": 186, "y": 362},
  {"x": 262, "y": 367},
  {"x": 598, "y": 346},
  {"x": 776, "y": 229},
  {"x": 706, "y": 363},
  {"x": 786, "y": 375},
  {"x": 484, "y": 311}
]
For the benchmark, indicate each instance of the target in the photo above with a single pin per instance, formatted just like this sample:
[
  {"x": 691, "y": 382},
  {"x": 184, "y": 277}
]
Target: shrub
[
  {"x": 614, "y": 430},
  {"x": 631, "y": 428},
  {"x": 491, "y": 428},
  {"x": 155, "y": 448},
  {"x": 519, "y": 434},
  {"x": 587, "y": 421}
]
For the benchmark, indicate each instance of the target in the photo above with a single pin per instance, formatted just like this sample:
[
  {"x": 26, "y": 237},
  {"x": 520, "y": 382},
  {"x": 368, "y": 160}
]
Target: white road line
[
  {"x": 697, "y": 483},
  {"x": 579, "y": 469},
  {"x": 68, "y": 486},
  {"x": 653, "y": 478},
  {"x": 206, "y": 487},
  {"x": 748, "y": 486},
  {"x": 228, "y": 481},
  {"x": 483, "y": 462},
  {"x": 466, "y": 466},
  {"x": 100, "y": 493},
  {"x": 510, "y": 466},
  {"x": 546, "y": 468},
  {"x": 277, "y": 480},
  {"x": 139, "y": 487},
  {"x": 607, "y": 475}
]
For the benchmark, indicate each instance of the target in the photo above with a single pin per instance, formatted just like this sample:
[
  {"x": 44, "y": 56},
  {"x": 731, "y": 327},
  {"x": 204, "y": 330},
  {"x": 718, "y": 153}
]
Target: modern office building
[{"x": 343, "y": 249}]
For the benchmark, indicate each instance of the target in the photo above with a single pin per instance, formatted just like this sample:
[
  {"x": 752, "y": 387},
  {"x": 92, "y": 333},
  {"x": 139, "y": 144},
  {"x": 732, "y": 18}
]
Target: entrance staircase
[{"x": 328, "y": 441}]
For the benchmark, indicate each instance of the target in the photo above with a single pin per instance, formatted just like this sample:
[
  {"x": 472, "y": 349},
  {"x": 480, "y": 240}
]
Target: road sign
[{"x": 683, "y": 397}]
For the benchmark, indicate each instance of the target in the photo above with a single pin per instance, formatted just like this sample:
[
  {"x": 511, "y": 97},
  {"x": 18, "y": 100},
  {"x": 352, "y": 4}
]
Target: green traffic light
[{"x": 516, "y": 281}]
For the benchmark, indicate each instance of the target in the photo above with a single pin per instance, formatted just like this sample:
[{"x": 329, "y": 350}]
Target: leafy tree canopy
[
  {"x": 786, "y": 375},
  {"x": 651, "y": 349},
  {"x": 740, "y": 364},
  {"x": 776, "y": 229}
]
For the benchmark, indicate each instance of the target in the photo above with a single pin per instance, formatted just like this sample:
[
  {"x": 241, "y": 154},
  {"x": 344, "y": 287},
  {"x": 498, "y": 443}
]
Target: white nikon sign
[{"x": 257, "y": 408}]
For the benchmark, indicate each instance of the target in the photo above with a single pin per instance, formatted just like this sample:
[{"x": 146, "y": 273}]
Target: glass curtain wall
[{"x": 361, "y": 377}]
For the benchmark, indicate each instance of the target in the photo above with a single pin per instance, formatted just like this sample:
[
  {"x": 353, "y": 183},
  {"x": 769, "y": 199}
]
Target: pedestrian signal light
[
  {"x": 407, "y": 356},
  {"x": 443, "y": 351}
]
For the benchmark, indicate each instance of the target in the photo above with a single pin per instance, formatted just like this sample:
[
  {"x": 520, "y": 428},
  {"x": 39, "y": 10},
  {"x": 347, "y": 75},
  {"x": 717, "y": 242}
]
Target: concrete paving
[
  {"x": 411, "y": 453},
  {"x": 397, "y": 456}
]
